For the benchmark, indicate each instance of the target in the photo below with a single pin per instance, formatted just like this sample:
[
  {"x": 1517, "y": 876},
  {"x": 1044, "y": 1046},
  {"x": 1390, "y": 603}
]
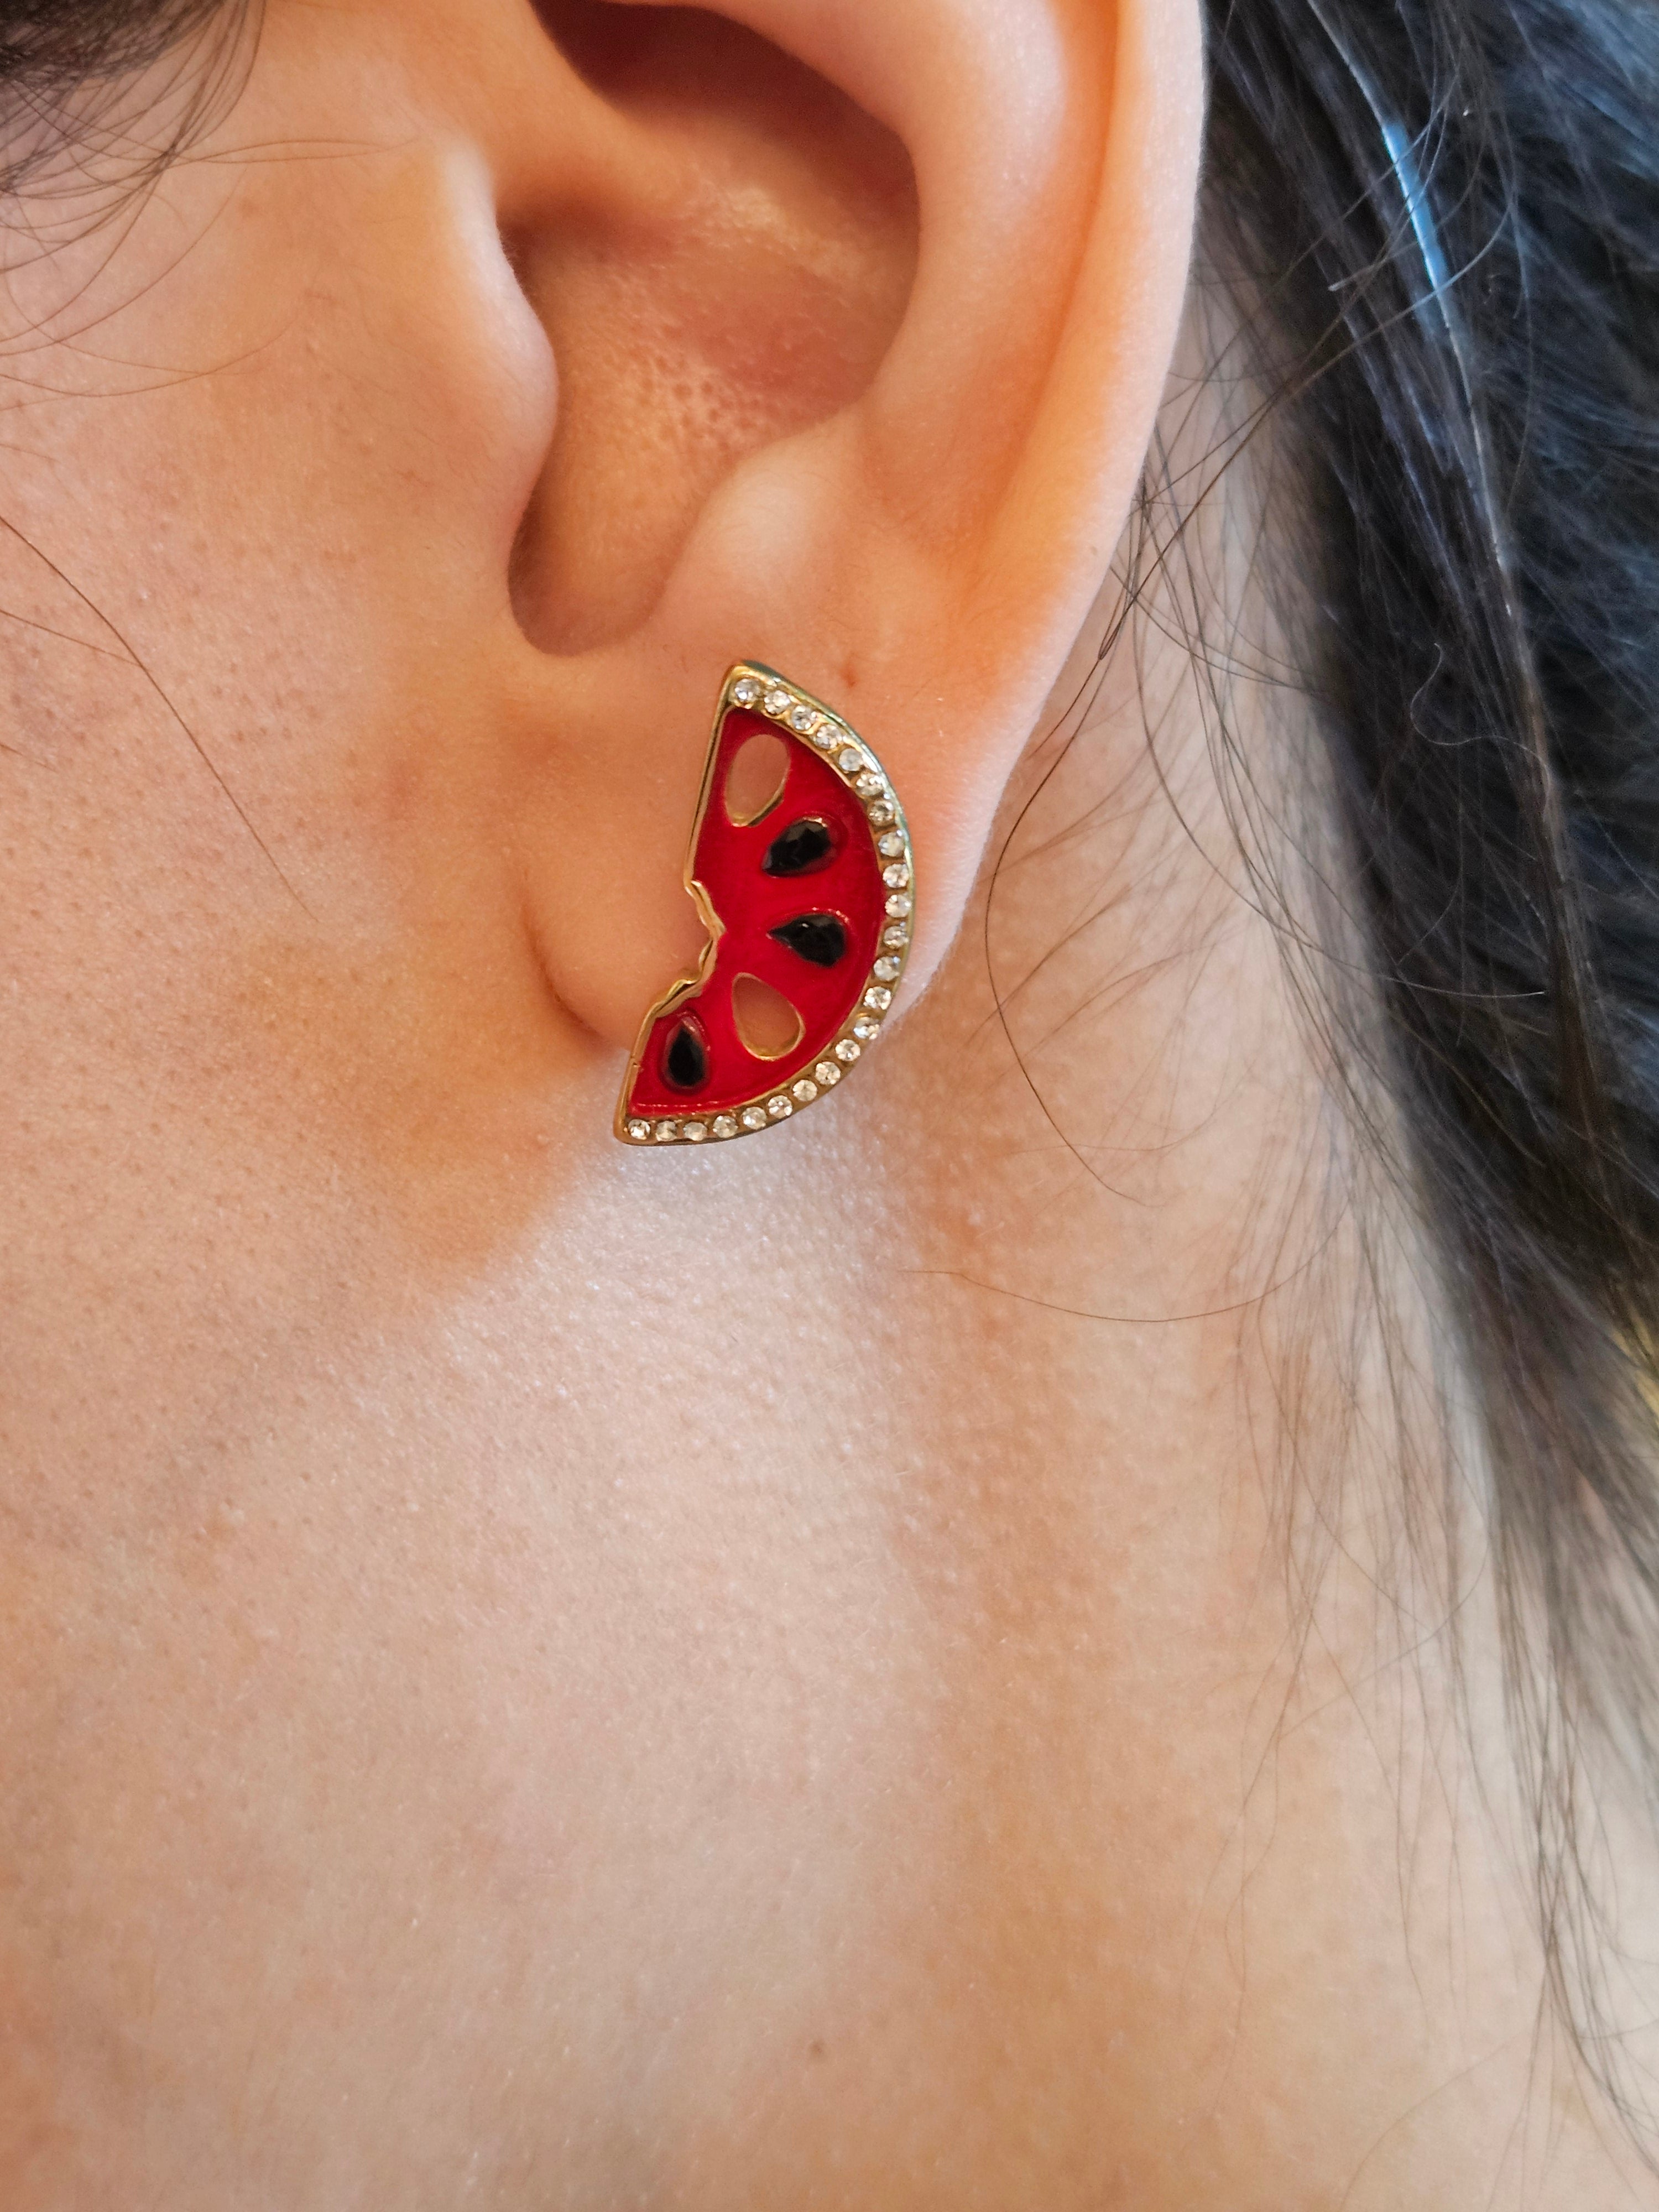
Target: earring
[{"x": 807, "y": 892}]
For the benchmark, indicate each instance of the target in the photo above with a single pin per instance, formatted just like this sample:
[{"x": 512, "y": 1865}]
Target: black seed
[
  {"x": 685, "y": 1063},
  {"x": 805, "y": 845},
  {"x": 819, "y": 937}
]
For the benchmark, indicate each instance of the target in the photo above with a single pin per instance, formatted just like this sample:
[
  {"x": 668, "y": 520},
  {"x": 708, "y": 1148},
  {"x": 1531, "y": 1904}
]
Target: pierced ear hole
[
  {"x": 769, "y": 1025},
  {"x": 754, "y": 780}
]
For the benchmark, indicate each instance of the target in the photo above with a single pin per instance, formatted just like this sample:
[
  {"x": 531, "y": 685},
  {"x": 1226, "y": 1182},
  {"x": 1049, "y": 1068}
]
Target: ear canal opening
[
  {"x": 769, "y": 1025},
  {"x": 755, "y": 778}
]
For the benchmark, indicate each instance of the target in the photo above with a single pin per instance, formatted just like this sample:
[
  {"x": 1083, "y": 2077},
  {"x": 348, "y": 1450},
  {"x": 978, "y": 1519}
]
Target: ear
[{"x": 858, "y": 384}]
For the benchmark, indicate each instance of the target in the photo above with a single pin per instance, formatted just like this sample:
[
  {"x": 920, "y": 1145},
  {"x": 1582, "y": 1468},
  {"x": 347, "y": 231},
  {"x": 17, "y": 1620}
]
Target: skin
[{"x": 537, "y": 1676}]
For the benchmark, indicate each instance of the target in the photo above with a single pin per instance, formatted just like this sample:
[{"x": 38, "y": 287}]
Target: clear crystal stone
[
  {"x": 888, "y": 970},
  {"x": 639, "y": 1130},
  {"x": 745, "y": 692},
  {"x": 897, "y": 877},
  {"x": 827, "y": 1074},
  {"x": 865, "y": 1028},
  {"x": 849, "y": 760},
  {"x": 826, "y": 737},
  {"x": 847, "y": 1052},
  {"x": 891, "y": 846},
  {"x": 801, "y": 718},
  {"x": 878, "y": 997},
  {"x": 695, "y": 1131},
  {"x": 666, "y": 1132},
  {"x": 804, "y": 1091},
  {"x": 896, "y": 932},
  {"x": 754, "y": 1117},
  {"x": 725, "y": 1125},
  {"x": 900, "y": 903},
  {"x": 776, "y": 702},
  {"x": 869, "y": 784},
  {"x": 779, "y": 1108},
  {"x": 881, "y": 812}
]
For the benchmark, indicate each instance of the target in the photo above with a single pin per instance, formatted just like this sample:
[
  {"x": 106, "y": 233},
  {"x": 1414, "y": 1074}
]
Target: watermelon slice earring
[{"x": 810, "y": 895}]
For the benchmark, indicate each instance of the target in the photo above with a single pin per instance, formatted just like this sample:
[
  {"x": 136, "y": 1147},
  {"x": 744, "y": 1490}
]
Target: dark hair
[
  {"x": 66, "y": 66},
  {"x": 1447, "y": 212},
  {"x": 1443, "y": 215}
]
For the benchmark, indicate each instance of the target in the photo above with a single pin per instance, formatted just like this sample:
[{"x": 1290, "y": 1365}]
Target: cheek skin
[{"x": 300, "y": 521}]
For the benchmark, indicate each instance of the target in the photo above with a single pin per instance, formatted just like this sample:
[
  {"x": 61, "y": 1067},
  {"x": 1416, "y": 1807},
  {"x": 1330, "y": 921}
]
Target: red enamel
[{"x": 750, "y": 903}]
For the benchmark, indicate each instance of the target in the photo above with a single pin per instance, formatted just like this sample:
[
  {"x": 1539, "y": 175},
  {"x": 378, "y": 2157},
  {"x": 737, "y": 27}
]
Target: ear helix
[{"x": 809, "y": 903}]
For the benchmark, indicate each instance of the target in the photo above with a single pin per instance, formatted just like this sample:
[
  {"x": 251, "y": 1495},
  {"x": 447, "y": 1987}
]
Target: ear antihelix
[{"x": 814, "y": 899}]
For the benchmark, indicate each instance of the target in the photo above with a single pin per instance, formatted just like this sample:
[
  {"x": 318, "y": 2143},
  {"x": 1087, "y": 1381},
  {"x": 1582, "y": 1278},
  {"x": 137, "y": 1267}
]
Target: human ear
[{"x": 857, "y": 385}]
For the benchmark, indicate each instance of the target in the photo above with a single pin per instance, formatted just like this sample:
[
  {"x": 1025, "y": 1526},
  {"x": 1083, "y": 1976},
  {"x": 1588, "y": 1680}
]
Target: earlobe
[{"x": 925, "y": 551}]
